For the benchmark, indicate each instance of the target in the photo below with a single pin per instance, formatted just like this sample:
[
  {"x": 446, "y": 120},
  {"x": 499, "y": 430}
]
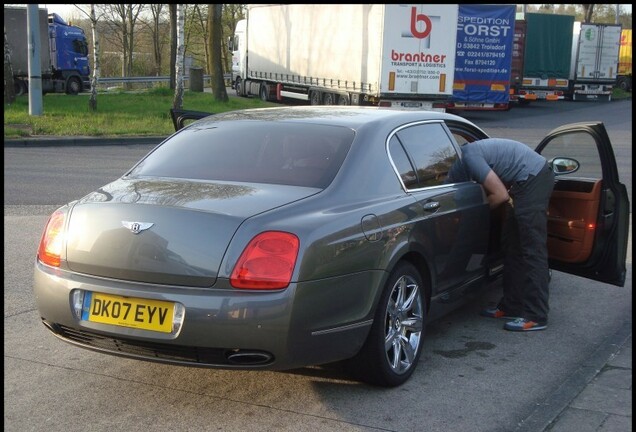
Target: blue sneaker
[
  {"x": 522, "y": 324},
  {"x": 495, "y": 312}
]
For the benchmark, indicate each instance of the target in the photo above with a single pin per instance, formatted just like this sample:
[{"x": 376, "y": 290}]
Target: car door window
[
  {"x": 402, "y": 163},
  {"x": 581, "y": 146},
  {"x": 430, "y": 150}
]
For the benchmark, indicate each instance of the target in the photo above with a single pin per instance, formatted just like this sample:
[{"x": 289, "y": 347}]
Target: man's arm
[{"x": 496, "y": 191}]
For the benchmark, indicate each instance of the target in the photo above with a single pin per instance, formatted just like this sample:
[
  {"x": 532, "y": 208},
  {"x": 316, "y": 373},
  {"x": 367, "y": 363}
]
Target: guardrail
[
  {"x": 146, "y": 82},
  {"x": 150, "y": 79}
]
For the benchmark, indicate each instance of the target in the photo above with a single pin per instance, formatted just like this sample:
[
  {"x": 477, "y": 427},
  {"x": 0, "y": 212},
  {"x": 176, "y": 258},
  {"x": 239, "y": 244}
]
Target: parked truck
[
  {"x": 517, "y": 92},
  {"x": 483, "y": 57},
  {"x": 543, "y": 51},
  {"x": 63, "y": 52},
  {"x": 391, "y": 55},
  {"x": 594, "y": 61},
  {"x": 624, "y": 79}
]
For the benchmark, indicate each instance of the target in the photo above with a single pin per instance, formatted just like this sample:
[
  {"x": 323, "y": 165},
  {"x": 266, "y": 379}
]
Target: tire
[
  {"x": 20, "y": 87},
  {"x": 343, "y": 100},
  {"x": 623, "y": 84},
  {"x": 394, "y": 344},
  {"x": 315, "y": 98},
  {"x": 73, "y": 86},
  {"x": 264, "y": 93},
  {"x": 329, "y": 99}
]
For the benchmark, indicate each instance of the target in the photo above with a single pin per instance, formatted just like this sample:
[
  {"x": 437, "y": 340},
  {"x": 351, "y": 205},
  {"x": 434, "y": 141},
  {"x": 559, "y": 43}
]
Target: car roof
[{"x": 348, "y": 116}]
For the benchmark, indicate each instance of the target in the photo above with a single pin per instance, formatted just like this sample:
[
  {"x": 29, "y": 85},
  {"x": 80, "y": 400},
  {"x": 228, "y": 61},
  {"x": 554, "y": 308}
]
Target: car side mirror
[{"x": 563, "y": 165}]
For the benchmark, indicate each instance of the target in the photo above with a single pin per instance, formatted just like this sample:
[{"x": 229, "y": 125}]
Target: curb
[
  {"x": 547, "y": 411},
  {"x": 81, "y": 141}
]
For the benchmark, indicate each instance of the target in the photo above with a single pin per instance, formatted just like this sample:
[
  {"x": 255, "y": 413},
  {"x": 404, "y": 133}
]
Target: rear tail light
[
  {"x": 52, "y": 241},
  {"x": 267, "y": 262}
]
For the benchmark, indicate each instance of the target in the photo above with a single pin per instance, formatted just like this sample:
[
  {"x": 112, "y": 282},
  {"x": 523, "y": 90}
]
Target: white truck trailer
[
  {"x": 594, "y": 61},
  {"x": 391, "y": 55}
]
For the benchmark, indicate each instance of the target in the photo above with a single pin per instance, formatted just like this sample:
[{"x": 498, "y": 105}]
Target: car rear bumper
[{"x": 305, "y": 324}]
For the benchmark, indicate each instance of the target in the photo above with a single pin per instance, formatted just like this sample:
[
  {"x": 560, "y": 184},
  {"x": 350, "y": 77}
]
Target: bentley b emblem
[{"x": 137, "y": 227}]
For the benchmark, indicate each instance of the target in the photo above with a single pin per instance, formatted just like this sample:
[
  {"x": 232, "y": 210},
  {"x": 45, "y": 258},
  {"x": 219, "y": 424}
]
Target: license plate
[
  {"x": 146, "y": 314},
  {"x": 412, "y": 104}
]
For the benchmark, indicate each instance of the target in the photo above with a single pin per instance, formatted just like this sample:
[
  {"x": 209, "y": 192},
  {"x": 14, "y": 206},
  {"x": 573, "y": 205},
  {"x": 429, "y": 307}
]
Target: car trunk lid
[{"x": 165, "y": 231}]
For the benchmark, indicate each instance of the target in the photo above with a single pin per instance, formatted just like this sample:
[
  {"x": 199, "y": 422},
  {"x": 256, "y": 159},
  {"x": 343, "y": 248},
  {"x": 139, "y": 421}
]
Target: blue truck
[
  {"x": 63, "y": 52},
  {"x": 483, "y": 57}
]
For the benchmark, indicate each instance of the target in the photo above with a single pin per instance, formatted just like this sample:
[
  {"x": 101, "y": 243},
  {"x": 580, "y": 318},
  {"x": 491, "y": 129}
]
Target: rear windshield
[{"x": 252, "y": 151}]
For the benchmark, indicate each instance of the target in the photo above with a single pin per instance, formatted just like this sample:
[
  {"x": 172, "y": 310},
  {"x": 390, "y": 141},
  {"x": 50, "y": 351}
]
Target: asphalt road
[{"x": 473, "y": 376}]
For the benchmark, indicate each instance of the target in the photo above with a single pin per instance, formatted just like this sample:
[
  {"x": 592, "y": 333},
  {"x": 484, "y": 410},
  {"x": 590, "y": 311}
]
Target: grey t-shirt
[{"x": 510, "y": 160}]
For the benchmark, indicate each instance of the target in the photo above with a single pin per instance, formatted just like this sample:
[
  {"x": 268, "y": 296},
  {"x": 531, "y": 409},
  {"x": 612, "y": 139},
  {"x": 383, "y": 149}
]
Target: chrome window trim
[{"x": 396, "y": 171}]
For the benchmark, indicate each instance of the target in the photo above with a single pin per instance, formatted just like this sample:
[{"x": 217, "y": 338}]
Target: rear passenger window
[
  {"x": 402, "y": 164},
  {"x": 431, "y": 151}
]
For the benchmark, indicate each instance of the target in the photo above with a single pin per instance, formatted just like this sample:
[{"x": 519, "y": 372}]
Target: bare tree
[
  {"x": 194, "y": 33},
  {"x": 9, "y": 89},
  {"x": 121, "y": 20},
  {"x": 178, "y": 92},
  {"x": 159, "y": 37},
  {"x": 173, "y": 44},
  {"x": 93, "y": 18},
  {"x": 216, "y": 66},
  {"x": 202, "y": 24},
  {"x": 588, "y": 10},
  {"x": 92, "y": 101},
  {"x": 232, "y": 13}
]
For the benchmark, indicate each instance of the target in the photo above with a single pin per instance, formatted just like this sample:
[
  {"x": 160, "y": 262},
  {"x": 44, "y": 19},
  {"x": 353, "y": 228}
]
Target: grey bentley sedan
[{"x": 285, "y": 237}]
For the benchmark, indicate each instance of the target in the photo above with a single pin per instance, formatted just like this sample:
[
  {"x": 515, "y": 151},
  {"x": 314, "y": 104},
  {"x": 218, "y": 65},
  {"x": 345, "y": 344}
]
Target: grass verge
[
  {"x": 118, "y": 114},
  {"x": 618, "y": 94},
  {"x": 144, "y": 113}
]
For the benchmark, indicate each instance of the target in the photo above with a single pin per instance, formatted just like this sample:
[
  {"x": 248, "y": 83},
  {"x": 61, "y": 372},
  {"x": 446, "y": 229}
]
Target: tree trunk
[
  {"x": 588, "y": 8},
  {"x": 178, "y": 92},
  {"x": 216, "y": 66},
  {"x": 9, "y": 86},
  {"x": 92, "y": 102},
  {"x": 125, "y": 54},
  {"x": 156, "y": 42},
  {"x": 173, "y": 44}
]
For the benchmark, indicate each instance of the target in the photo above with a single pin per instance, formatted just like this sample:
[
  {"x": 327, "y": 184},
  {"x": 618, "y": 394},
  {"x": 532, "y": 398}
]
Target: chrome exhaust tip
[{"x": 249, "y": 358}]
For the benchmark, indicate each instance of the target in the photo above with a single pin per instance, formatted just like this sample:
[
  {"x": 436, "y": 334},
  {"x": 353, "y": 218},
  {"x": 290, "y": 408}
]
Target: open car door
[{"x": 588, "y": 216}]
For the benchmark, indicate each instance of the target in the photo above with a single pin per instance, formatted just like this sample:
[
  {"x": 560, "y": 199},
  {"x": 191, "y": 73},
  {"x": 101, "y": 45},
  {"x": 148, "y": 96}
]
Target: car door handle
[{"x": 431, "y": 206}]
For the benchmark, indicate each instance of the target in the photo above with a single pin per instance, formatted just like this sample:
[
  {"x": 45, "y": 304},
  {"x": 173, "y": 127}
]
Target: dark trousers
[{"x": 525, "y": 236}]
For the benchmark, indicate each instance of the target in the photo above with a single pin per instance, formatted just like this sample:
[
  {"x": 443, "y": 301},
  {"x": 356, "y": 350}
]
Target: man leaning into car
[{"x": 514, "y": 175}]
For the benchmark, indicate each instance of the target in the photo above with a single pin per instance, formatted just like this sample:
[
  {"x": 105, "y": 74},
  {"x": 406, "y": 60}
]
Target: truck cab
[
  {"x": 237, "y": 46},
  {"x": 63, "y": 52},
  {"x": 69, "y": 55}
]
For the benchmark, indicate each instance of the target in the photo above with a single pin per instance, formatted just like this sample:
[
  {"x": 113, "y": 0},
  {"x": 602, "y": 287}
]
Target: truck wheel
[
  {"x": 73, "y": 86},
  {"x": 329, "y": 99},
  {"x": 343, "y": 100},
  {"x": 20, "y": 87},
  {"x": 315, "y": 98},
  {"x": 264, "y": 92},
  {"x": 623, "y": 84}
]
